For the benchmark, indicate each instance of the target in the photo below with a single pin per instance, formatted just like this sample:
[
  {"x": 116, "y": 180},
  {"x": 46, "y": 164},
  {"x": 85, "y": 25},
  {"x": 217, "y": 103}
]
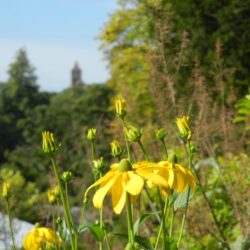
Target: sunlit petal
[{"x": 134, "y": 184}]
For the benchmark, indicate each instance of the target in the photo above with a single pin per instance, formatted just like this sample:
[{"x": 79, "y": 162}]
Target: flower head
[
  {"x": 125, "y": 178},
  {"x": 120, "y": 107},
  {"x": 91, "y": 134},
  {"x": 184, "y": 127},
  {"x": 67, "y": 176},
  {"x": 51, "y": 197},
  {"x": 160, "y": 134},
  {"x": 40, "y": 238},
  {"x": 49, "y": 144},
  {"x": 6, "y": 190},
  {"x": 116, "y": 149},
  {"x": 133, "y": 134}
]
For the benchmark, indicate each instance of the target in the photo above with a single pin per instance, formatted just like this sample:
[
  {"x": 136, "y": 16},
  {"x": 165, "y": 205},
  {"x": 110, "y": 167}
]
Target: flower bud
[
  {"x": 172, "y": 158},
  {"x": 91, "y": 134},
  {"x": 99, "y": 164},
  {"x": 160, "y": 134},
  {"x": 6, "y": 191},
  {"x": 124, "y": 165},
  {"x": 184, "y": 128},
  {"x": 67, "y": 176},
  {"x": 116, "y": 149},
  {"x": 133, "y": 134},
  {"x": 49, "y": 144},
  {"x": 120, "y": 107},
  {"x": 56, "y": 191},
  {"x": 51, "y": 197}
]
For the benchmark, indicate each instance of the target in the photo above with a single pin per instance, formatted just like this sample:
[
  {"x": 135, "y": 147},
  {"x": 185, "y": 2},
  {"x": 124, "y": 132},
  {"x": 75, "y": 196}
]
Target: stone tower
[{"x": 76, "y": 75}]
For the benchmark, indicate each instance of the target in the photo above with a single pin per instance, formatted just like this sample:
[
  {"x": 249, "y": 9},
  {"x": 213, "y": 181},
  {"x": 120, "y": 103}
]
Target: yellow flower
[
  {"x": 177, "y": 176},
  {"x": 120, "y": 107},
  {"x": 51, "y": 197},
  {"x": 123, "y": 179},
  {"x": 39, "y": 238},
  {"x": 6, "y": 190},
  {"x": 184, "y": 128}
]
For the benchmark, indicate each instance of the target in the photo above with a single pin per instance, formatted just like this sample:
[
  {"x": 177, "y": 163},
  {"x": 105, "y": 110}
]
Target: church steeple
[{"x": 76, "y": 75}]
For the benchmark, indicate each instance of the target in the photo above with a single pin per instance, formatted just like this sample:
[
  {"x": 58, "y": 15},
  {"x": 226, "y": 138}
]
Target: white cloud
[{"x": 54, "y": 59}]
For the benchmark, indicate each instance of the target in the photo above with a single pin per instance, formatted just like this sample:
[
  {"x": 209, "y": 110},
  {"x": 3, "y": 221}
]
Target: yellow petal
[
  {"x": 151, "y": 176},
  {"x": 102, "y": 180},
  {"x": 134, "y": 183},
  {"x": 103, "y": 190},
  {"x": 118, "y": 193}
]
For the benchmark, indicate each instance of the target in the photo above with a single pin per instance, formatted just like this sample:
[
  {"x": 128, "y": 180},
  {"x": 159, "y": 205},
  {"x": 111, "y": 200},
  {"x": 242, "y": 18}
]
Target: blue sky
[{"x": 55, "y": 34}]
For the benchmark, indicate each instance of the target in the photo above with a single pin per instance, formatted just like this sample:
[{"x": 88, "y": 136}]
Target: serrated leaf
[
  {"x": 183, "y": 199},
  {"x": 95, "y": 230},
  {"x": 143, "y": 218},
  {"x": 144, "y": 242}
]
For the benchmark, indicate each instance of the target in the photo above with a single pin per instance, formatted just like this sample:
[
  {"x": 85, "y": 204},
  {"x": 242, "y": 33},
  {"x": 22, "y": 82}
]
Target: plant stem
[
  {"x": 56, "y": 171},
  {"x": 130, "y": 220},
  {"x": 10, "y": 224},
  {"x": 171, "y": 222},
  {"x": 189, "y": 189},
  {"x": 164, "y": 148},
  {"x": 143, "y": 150},
  {"x": 126, "y": 140},
  {"x": 93, "y": 150}
]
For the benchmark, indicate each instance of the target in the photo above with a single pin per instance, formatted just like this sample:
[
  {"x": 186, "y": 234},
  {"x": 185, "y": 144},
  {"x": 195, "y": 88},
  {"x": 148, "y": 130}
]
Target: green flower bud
[
  {"x": 91, "y": 134},
  {"x": 51, "y": 197},
  {"x": 99, "y": 164},
  {"x": 37, "y": 225},
  {"x": 124, "y": 165},
  {"x": 49, "y": 144},
  {"x": 116, "y": 149},
  {"x": 184, "y": 128},
  {"x": 160, "y": 134},
  {"x": 120, "y": 107},
  {"x": 67, "y": 176},
  {"x": 56, "y": 191},
  {"x": 133, "y": 134},
  {"x": 6, "y": 191},
  {"x": 172, "y": 158}
]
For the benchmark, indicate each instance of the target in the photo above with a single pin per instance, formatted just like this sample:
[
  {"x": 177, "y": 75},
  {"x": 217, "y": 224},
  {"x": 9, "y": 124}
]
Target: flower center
[{"x": 124, "y": 165}]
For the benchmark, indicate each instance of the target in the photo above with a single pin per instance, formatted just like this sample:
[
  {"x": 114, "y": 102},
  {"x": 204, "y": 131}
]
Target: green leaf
[
  {"x": 95, "y": 230},
  {"x": 171, "y": 244},
  {"x": 143, "y": 242},
  {"x": 181, "y": 200},
  {"x": 142, "y": 219}
]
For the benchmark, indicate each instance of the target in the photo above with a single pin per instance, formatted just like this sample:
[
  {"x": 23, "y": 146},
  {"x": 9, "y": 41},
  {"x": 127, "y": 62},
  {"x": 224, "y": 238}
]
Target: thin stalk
[
  {"x": 92, "y": 150},
  {"x": 164, "y": 148},
  {"x": 126, "y": 140},
  {"x": 10, "y": 225},
  {"x": 189, "y": 189},
  {"x": 171, "y": 223},
  {"x": 54, "y": 225},
  {"x": 131, "y": 236},
  {"x": 164, "y": 230},
  {"x": 55, "y": 168},
  {"x": 143, "y": 150}
]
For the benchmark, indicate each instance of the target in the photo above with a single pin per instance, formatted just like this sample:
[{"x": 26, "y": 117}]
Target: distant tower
[{"x": 76, "y": 75}]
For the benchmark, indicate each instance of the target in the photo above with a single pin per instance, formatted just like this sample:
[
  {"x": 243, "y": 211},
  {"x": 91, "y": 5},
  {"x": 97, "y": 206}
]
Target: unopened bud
[
  {"x": 116, "y": 149},
  {"x": 51, "y": 197},
  {"x": 99, "y": 164},
  {"x": 6, "y": 191},
  {"x": 120, "y": 107},
  {"x": 67, "y": 176},
  {"x": 133, "y": 134},
  {"x": 49, "y": 144},
  {"x": 91, "y": 134},
  {"x": 160, "y": 134},
  {"x": 184, "y": 128}
]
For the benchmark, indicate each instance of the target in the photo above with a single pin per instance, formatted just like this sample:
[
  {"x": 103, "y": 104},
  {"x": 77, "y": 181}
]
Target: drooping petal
[
  {"x": 118, "y": 193},
  {"x": 134, "y": 183},
  {"x": 103, "y": 190},
  {"x": 102, "y": 180}
]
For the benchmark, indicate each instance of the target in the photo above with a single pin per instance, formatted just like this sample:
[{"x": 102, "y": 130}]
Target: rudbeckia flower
[
  {"x": 39, "y": 238},
  {"x": 125, "y": 178},
  {"x": 177, "y": 176}
]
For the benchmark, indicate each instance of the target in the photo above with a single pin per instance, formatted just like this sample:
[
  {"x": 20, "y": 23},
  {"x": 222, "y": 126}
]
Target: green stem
[
  {"x": 10, "y": 224},
  {"x": 56, "y": 171},
  {"x": 143, "y": 150},
  {"x": 171, "y": 223},
  {"x": 189, "y": 189},
  {"x": 130, "y": 220},
  {"x": 164, "y": 148},
  {"x": 164, "y": 230},
  {"x": 92, "y": 150},
  {"x": 126, "y": 140},
  {"x": 54, "y": 226}
]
